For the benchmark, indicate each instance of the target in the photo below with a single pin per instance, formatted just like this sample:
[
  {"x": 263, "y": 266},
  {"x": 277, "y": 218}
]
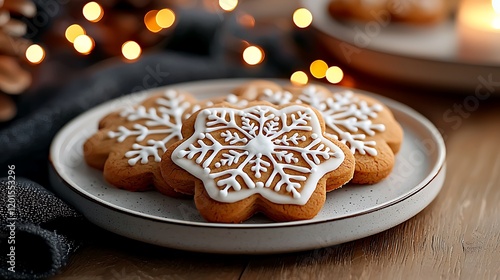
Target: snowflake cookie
[
  {"x": 260, "y": 158},
  {"x": 129, "y": 144},
  {"x": 364, "y": 124}
]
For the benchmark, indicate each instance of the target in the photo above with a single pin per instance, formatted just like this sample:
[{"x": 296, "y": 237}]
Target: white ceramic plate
[
  {"x": 350, "y": 213},
  {"x": 425, "y": 56}
]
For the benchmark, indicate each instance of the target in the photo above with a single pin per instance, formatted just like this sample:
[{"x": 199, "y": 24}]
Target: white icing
[
  {"x": 235, "y": 100},
  {"x": 344, "y": 113},
  {"x": 348, "y": 116},
  {"x": 165, "y": 120},
  {"x": 277, "y": 97},
  {"x": 265, "y": 142}
]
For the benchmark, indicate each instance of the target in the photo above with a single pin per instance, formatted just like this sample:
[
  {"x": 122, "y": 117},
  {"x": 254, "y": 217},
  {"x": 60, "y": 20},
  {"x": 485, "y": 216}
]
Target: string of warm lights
[
  {"x": 319, "y": 69},
  {"x": 157, "y": 20},
  {"x": 83, "y": 43}
]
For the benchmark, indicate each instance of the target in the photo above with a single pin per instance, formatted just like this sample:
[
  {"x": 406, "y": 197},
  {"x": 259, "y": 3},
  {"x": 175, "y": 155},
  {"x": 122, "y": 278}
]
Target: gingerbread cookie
[
  {"x": 129, "y": 144},
  {"x": 364, "y": 124},
  {"x": 384, "y": 11},
  {"x": 263, "y": 158}
]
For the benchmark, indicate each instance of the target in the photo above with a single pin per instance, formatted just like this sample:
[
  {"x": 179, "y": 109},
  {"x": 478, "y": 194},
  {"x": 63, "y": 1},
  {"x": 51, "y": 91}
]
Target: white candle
[{"x": 479, "y": 31}]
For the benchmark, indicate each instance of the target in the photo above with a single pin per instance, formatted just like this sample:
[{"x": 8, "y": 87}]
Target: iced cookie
[
  {"x": 262, "y": 158},
  {"x": 129, "y": 144},
  {"x": 364, "y": 124}
]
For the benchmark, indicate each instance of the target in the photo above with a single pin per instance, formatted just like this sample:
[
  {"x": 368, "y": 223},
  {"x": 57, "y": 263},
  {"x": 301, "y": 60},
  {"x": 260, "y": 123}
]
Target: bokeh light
[
  {"x": 246, "y": 20},
  {"x": 93, "y": 12},
  {"x": 165, "y": 18},
  {"x": 150, "y": 21},
  {"x": 302, "y": 18},
  {"x": 35, "y": 54},
  {"x": 83, "y": 44},
  {"x": 74, "y": 31},
  {"x": 253, "y": 55},
  {"x": 318, "y": 69},
  {"x": 131, "y": 50},
  {"x": 228, "y": 5},
  {"x": 299, "y": 78},
  {"x": 334, "y": 74}
]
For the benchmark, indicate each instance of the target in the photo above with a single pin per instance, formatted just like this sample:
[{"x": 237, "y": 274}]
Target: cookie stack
[{"x": 263, "y": 148}]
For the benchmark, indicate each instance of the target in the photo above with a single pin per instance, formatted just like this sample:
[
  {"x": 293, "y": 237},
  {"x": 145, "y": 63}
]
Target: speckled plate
[{"x": 349, "y": 213}]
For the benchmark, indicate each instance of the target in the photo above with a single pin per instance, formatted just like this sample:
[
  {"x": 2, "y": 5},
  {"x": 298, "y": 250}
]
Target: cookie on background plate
[
  {"x": 364, "y": 124},
  {"x": 262, "y": 158},
  {"x": 130, "y": 143},
  {"x": 421, "y": 12}
]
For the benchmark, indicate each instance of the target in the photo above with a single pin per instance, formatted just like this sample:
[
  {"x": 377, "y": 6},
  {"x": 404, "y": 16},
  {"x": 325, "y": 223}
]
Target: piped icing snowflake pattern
[
  {"x": 348, "y": 116},
  {"x": 280, "y": 154},
  {"x": 164, "y": 119}
]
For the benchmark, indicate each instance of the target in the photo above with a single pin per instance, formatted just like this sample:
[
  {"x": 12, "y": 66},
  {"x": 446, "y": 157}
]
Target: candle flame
[{"x": 496, "y": 6}]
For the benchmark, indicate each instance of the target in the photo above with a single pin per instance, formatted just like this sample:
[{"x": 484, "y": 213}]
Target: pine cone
[{"x": 13, "y": 78}]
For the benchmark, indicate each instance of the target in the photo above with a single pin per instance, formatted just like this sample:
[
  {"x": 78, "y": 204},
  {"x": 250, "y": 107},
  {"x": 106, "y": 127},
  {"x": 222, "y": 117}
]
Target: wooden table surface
[{"x": 456, "y": 237}]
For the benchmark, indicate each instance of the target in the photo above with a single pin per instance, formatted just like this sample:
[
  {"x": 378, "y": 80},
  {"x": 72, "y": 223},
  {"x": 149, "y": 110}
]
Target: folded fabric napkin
[{"x": 34, "y": 233}]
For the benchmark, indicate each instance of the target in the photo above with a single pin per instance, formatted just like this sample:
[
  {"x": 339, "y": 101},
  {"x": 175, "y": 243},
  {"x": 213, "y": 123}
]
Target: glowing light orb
[
  {"x": 318, "y": 69},
  {"x": 83, "y": 44},
  {"x": 131, "y": 50},
  {"x": 299, "y": 78},
  {"x": 93, "y": 12},
  {"x": 165, "y": 18},
  {"x": 246, "y": 20},
  {"x": 334, "y": 74},
  {"x": 35, "y": 54},
  {"x": 253, "y": 55},
  {"x": 150, "y": 21},
  {"x": 302, "y": 18},
  {"x": 74, "y": 31},
  {"x": 228, "y": 5}
]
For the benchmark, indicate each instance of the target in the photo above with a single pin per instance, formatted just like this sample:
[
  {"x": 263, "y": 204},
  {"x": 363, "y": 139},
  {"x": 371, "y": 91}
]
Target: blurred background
[{"x": 48, "y": 44}]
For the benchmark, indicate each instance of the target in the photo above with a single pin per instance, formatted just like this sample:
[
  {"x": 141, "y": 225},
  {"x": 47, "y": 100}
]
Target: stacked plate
[{"x": 429, "y": 56}]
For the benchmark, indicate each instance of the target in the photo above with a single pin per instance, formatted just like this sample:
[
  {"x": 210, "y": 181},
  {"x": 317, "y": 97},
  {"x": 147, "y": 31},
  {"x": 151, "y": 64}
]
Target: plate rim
[{"x": 437, "y": 167}]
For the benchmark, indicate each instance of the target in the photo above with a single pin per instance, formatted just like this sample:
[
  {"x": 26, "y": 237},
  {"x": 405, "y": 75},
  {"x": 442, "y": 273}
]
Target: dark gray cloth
[{"x": 33, "y": 241}]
